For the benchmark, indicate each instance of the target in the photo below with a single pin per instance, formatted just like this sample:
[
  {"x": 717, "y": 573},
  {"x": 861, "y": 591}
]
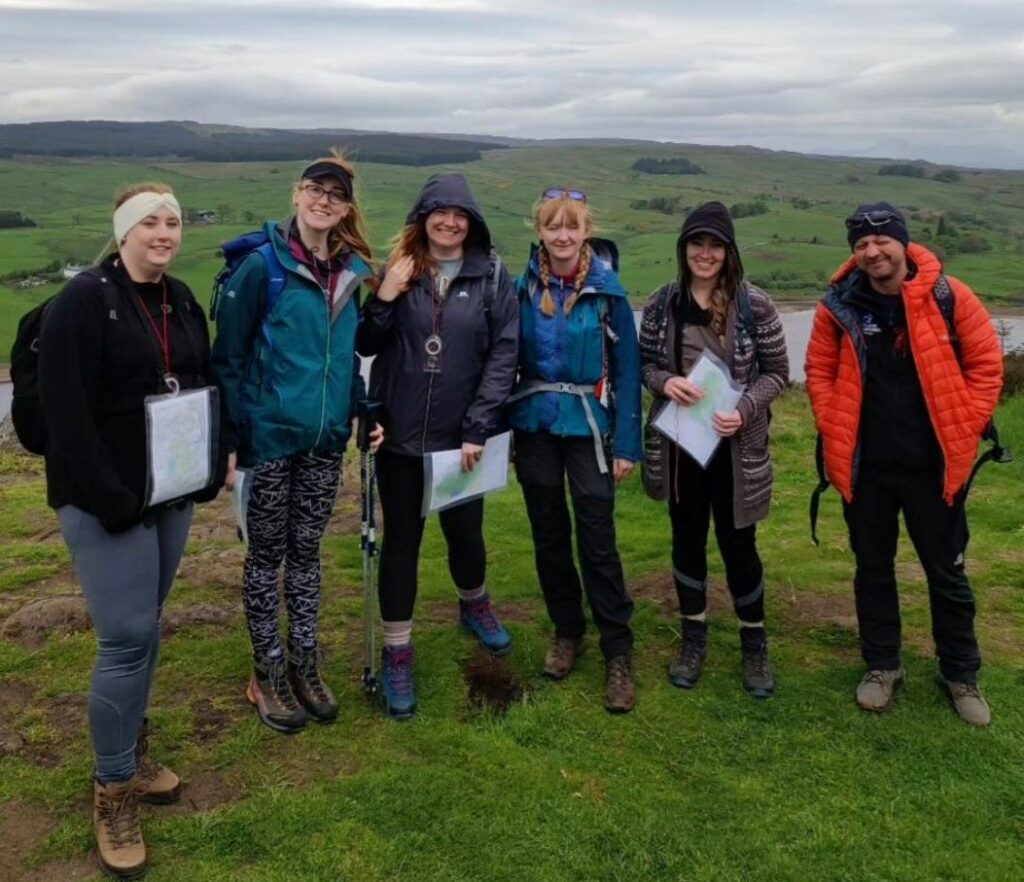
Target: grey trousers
[{"x": 126, "y": 578}]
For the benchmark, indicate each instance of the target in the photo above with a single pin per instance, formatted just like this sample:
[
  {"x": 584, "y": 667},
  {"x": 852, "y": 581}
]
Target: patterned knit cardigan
[{"x": 763, "y": 379}]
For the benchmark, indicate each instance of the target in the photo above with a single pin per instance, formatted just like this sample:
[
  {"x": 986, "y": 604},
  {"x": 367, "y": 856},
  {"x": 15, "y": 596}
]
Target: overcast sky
[{"x": 939, "y": 80}]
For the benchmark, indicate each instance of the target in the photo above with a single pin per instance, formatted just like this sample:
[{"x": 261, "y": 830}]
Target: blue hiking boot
[
  {"x": 478, "y": 617},
  {"x": 396, "y": 688}
]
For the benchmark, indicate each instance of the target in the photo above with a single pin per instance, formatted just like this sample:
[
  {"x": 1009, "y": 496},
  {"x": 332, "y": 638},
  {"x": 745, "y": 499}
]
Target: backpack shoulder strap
[
  {"x": 746, "y": 314},
  {"x": 822, "y": 486},
  {"x": 493, "y": 279},
  {"x": 946, "y": 301},
  {"x": 277, "y": 276}
]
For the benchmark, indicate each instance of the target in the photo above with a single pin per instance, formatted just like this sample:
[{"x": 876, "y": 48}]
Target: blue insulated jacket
[
  {"x": 574, "y": 349},
  {"x": 297, "y": 395}
]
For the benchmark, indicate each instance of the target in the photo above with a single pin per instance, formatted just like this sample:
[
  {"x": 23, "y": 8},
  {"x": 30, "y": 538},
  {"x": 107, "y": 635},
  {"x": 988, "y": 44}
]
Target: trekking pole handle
[{"x": 368, "y": 411}]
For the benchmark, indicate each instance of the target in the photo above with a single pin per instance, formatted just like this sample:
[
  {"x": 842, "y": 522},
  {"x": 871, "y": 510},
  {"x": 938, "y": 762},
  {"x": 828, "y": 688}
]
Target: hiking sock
[
  {"x": 697, "y": 617},
  {"x": 472, "y": 594},
  {"x": 397, "y": 633}
]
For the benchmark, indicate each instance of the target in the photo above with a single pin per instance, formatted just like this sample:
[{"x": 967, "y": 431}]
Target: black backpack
[{"x": 26, "y": 411}]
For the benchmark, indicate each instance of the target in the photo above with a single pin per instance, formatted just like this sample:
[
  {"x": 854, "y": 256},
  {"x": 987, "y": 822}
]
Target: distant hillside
[{"x": 209, "y": 143}]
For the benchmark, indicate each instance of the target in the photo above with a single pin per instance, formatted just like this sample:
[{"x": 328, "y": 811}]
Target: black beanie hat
[
  {"x": 712, "y": 218},
  {"x": 877, "y": 219}
]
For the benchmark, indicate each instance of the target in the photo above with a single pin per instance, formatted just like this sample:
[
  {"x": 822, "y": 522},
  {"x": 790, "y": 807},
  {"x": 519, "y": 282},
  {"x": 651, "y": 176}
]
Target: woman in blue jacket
[
  {"x": 576, "y": 413},
  {"x": 291, "y": 380}
]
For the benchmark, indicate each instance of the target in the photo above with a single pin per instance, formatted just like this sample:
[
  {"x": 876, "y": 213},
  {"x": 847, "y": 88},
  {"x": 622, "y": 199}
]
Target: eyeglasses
[
  {"x": 317, "y": 192},
  {"x": 558, "y": 193},
  {"x": 873, "y": 218}
]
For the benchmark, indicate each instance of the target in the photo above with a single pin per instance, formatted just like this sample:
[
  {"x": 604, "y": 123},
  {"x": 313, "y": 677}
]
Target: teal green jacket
[{"x": 298, "y": 393}]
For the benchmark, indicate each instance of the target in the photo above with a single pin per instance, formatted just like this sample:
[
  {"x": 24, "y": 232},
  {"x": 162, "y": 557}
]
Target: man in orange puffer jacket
[{"x": 901, "y": 408}]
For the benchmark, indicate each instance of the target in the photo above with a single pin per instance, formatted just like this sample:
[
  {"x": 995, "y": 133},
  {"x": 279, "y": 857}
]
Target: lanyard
[{"x": 164, "y": 338}]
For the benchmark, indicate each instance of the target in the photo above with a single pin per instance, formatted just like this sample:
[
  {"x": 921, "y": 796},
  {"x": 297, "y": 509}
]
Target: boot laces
[
  {"x": 757, "y": 661},
  {"x": 481, "y": 611},
  {"x": 120, "y": 815},
  {"x": 618, "y": 672},
  {"x": 308, "y": 666},
  {"x": 400, "y": 671},
  {"x": 277, "y": 677}
]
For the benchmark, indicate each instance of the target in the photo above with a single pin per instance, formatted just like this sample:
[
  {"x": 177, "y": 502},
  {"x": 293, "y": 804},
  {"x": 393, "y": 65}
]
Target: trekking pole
[{"x": 367, "y": 411}]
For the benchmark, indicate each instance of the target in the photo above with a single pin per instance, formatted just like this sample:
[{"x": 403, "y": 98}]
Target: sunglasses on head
[
  {"x": 873, "y": 218},
  {"x": 558, "y": 192}
]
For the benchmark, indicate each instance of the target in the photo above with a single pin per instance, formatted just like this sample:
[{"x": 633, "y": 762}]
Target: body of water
[{"x": 797, "y": 326}]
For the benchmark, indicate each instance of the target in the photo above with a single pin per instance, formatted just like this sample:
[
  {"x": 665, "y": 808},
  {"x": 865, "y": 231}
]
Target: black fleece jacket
[{"x": 98, "y": 360}]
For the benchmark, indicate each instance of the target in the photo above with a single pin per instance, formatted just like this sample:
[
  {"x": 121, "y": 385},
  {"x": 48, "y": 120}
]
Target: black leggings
[
  {"x": 400, "y": 481},
  {"x": 703, "y": 492}
]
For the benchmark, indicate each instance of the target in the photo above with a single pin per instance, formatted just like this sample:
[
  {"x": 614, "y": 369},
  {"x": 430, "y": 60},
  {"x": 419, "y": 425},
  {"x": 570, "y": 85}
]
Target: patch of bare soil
[
  {"x": 201, "y": 791},
  {"x": 23, "y": 828},
  {"x": 195, "y": 614},
  {"x": 53, "y": 725},
  {"x": 446, "y": 612},
  {"x": 30, "y": 624},
  {"x": 209, "y": 721},
  {"x": 492, "y": 683}
]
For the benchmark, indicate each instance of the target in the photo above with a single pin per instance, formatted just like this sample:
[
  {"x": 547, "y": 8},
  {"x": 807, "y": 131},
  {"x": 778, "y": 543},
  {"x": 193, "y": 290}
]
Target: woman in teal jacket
[
  {"x": 289, "y": 372},
  {"x": 576, "y": 414}
]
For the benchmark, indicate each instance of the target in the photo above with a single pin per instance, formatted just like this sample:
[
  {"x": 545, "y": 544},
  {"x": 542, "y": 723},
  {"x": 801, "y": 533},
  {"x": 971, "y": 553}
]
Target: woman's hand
[
  {"x": 726, "y": 424},
  {"x": 621, "y": 469},
  {"x": 396, "y": 279},
  {"x": 229, "y": 475},
  {"x": 682, "y": 391},
  {"x": 471, "y": 454},
  {"x": 376, "y": 437}
]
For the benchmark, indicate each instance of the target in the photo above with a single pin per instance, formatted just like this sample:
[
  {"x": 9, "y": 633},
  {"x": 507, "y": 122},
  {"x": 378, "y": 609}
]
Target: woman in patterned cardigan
[{"x": 711, "y": 307}]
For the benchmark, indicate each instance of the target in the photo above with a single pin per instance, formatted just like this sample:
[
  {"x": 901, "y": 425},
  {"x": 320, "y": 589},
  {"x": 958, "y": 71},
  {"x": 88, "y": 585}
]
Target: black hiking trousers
[
  {"x": 939, "y": 534},
  {"x": 543, "y": 462}
]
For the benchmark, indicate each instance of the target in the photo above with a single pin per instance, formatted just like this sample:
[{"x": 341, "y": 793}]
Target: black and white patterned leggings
[{"x": 290, "y": 503}]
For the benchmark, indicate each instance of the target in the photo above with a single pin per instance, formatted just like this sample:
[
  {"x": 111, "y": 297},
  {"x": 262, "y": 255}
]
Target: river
[{"x": 797, "y": 325}]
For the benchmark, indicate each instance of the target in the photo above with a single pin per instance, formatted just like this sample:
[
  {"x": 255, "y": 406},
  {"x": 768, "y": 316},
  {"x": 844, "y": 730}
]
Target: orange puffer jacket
[{"x": 960, "y": 396}]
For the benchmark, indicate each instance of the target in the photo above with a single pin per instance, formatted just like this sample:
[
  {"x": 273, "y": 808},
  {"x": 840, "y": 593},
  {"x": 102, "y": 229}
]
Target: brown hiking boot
[
  {"x": 561, "y": 656},
  {"x": 115, "y": 815},
  {"x": 158, "y": 785},
  {"x": 876, "y": 689},
  {"x": 968, "y": 701},
  {"x": 619, "y": 691}
]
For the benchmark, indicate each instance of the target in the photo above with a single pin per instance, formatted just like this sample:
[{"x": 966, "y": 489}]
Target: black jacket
[
  {"x": 426, "y": 412},
  {"x": 97, "y": 364}
]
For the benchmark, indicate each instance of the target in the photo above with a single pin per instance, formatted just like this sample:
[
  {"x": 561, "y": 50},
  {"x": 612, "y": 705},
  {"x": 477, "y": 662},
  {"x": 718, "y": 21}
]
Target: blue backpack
[{"x": 235, "y": 251}]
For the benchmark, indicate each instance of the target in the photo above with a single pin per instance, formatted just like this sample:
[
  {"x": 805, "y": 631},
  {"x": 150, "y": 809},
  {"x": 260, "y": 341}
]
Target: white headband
[{"x": 138, "y": 208}]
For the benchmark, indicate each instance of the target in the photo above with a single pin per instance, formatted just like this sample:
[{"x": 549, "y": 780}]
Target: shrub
[
  {"x": 902, "y": 169},
  {"x": 679, "y": 165},
  {"x": 1013, "y": 373},
  {"x": 747, "y": 209},
  {"x": 947, "y": 176}
]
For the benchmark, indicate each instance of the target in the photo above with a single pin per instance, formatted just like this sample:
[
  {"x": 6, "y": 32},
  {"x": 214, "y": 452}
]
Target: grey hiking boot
[
  {"x": 619, "y": 691},
  {"x": 968, "y": 701},
  {"x": 876, "y": 689},
  {"x": 308, "y": 684},
  {"x": 561, "y": 656},
  {"x": 758, "y": 679},
  {"x": 685, "y": 671},
  {"x": 271, "y": 693},
  {"x": 115, "y": 816}
]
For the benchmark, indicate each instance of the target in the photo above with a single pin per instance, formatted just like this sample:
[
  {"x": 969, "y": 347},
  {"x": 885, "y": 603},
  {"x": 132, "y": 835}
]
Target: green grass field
[
  {"x": 71, "y": 201},
  {"x": 702, "y": 785}
]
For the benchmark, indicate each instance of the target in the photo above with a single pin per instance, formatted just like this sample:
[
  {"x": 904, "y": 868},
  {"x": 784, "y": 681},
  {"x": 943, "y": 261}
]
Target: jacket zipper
[{"x": 327, "y": 366}]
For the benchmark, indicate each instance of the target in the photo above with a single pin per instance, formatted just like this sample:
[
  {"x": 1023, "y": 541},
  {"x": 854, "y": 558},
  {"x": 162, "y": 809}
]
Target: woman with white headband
[{"x": 118, "y": 333}]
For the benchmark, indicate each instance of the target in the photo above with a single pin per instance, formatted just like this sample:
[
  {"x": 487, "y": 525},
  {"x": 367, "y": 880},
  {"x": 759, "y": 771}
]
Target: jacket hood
[
  {"x": 928, "y": 267},
  {"x": 601, "y": 276},
  {"x": 452, "y": 191}
]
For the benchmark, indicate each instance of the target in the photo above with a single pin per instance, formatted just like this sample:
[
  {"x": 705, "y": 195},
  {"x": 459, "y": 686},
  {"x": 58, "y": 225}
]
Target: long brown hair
[
  {"x": 549, "y": 211},
  {"x": 349, "y": 232},
  {"x": 412, "y": 241},
  {"x": 730, "y": 277}
]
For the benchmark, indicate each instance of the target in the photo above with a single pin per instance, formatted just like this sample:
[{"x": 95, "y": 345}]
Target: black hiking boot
[{"x": 685, "y": 671}]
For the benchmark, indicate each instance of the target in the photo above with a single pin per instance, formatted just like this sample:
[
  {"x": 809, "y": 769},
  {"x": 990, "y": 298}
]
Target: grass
[
  {"x": 71, "y": 199},
  {"x": 701, "y": 785}
]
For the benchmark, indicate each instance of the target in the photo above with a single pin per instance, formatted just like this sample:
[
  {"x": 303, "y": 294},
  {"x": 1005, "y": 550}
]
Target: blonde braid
[
  {"x": 547, "y": 303},
  {"x": 581, "y": 277}
]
